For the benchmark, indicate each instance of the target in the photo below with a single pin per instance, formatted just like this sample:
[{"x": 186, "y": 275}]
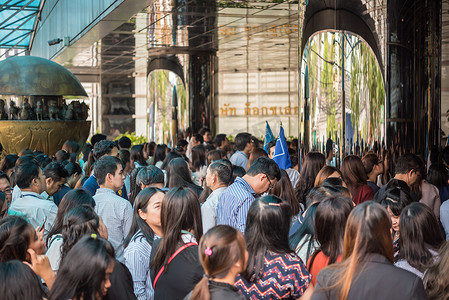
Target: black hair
[
  {"x": 15, "y": 234},
  {"x": 72, "y": 199},
  {"x": 137, "y": 155},
  {"x": 159, "y": 153},
  {"x": 203, "y": 130},
  {"x": 104, "y": 166},
  {"x": 407, "y": 163},
  {"x": 149, "y": 175},
  {"x": 61, "y": 155},
  {"x": 55, "y": 171},
  {"x": 86, "y": 151},
  {"x": 102, "y": 148},
  {"x": 182, "y": 143},
  {"x": 272, "y": 143},
  {"x": 294, "y": 160},
  {"x": 178, "y": 174},
  {"x": 124, "y": 142},
  {"x": 264, "y": 214},
  {"x": 198, "y": 157},
  {"x": 237, "y": 171},
  {"x": 438, "y": 175},
  {"x": 199, "y": 138},
  {"x": 306, "y": 228},
  {"x": 26, "y": 151},
  {"x": 241, "y": 140},
  {"x": 96, "y": 138},
  {"x": 133, "y": 186},
  {"x": 170, "y": 156},
  {"x": 84, "y": 269},
  {"x": 329, "y": 146},
  {"x": 141, "y": 203},
  {"x": 73, "y": 168},
  {"x": 25, "y": 174},
  {"x": 395, "y": 196},
  {"x": 43, "y": 160},
  {"x": 18, "y": 281},
  {"x": 264, "y": 165},
  {"x": 8, "y": 162},
  {"x": 28, "y": 158},
  {"x": 71, "y": 146},
  {"x": 219, "y": 139},
  {"x": 332, "y": 181},
  {"x": 445, "y": 155},
  {"x": 223, "y": 169}
]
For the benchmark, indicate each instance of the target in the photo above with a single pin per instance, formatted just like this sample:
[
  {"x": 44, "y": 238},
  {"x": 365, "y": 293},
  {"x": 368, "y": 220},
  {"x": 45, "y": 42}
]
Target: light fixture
[{"x": 54, "y": 42}]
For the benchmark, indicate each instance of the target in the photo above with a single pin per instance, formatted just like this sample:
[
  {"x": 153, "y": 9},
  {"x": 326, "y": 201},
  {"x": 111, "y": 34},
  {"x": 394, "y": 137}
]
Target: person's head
[
  {"x": 8, "y": 163},
  {"x": 419, "y": 232},
  {"x": 125, "y": 157},
  {"x": 265, "y": 214},
  {"x": 159, "y": 153},
  {"x": 178, "y": 173},
  {"x": 237, "y": 171},
  {"x": 394, "y": 199},
  {"x": 18, "y": 281},
  {"x": 330, "y": 222},
  {"x": 26, "y": 151},
  {"x": 438, "y": 175},
  {"x": 105, "y": 148},
  {"x": 62, "y": 155},
  {"x": 270, "y": 148},
  {"x": 109, "y": 173},
  {"x": 313, "y": 162},
  {"x": 168, "y": 158},
  {"x": 327, "y": 172},
  {"x": 222, "y": 142},
  {"x": 86, "y": 151},
  {"x": 222, "y": 251},
  {"x": 263, "y": 174},
  {"x": 147, "y": 215},
  {"x": 71, "y": 199},
  {"x": 255, "y": 154},
  {"x": 71, "y": 146},
  {"x": 329, "y": 149},
  {"x": 283, "y": 189},
  {"x": 29, "y": 176},
  {"x": 181, "y": 146},
  {"x": 180, "y": 210},
  {"x": 55, "y": 177},
  {"x": 96, "y": 138},
  {"x": 436, "y": 285},
  {"x": 242, "y": 142},
  {"x": 207, "y": 135},
  {"x": 124, "y": 143},
  {"x": 74, "y": 173},
  {"x": 373, "y": 166},
  {"x": 219, "y": 174},
  {"x": 214, "y": 155},
  {"x": 5, "y": 186},
  {"x": 197, "y": 139},
  {"x": 150, "y": 176},
  {"x": 16, "y": 237},
  {"x": 353, "y": 172},
  {"x": 78, "y": 222},
  {"x": 137, "y": 155},
  {"x": 86, "y": 269},
  {"x": 367, "y": 232},
  {"x": 198, "y": 157},
  {"x": 409, "y": 168}
]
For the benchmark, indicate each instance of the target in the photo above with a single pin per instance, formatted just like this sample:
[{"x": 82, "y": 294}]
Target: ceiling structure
[{"x": 18, "y": 19}]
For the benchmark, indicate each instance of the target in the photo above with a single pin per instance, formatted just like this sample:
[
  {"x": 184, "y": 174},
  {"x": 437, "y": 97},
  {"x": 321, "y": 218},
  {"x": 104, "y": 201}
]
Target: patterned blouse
[{"x": 284, "y": 277}]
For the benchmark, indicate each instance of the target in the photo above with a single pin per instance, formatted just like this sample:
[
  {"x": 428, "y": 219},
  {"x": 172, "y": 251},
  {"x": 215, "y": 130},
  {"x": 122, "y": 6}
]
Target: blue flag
[
  {"x": 281, "y": 156},
  {"x": 268, "y": 137}
]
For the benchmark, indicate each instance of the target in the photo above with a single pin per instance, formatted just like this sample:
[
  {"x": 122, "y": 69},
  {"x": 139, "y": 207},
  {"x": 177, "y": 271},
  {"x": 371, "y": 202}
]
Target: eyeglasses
[{"x": 270, "y": 186}]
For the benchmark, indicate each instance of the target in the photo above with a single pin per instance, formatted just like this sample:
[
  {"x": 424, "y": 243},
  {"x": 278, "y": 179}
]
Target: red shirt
[
  {"x": 364, "y": 193},
  {"x": 320, "y": 262}
]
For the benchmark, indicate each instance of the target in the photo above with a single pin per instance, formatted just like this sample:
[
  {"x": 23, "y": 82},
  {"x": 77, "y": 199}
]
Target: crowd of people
[{"x": 215, "y": 219}]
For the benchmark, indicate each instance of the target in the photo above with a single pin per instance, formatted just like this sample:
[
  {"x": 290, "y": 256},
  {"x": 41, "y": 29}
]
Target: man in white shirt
[{"x": 116, "y": 212}]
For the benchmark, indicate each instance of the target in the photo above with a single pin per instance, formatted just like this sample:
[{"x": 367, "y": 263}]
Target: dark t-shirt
[
  {"x": 221, "y": 291},
  {"x": 180, "y": 276},
  {"x": 121, "y": 283}
]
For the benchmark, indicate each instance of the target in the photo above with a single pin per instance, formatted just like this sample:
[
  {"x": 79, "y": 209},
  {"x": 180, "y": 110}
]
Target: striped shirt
[
  {"x": 137, "y": 259},
  {"x": 234, "y": 203},
  {"x": 117, "y": 215}
]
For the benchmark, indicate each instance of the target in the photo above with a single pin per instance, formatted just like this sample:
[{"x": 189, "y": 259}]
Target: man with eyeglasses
[{"x": 234, "y": 202}]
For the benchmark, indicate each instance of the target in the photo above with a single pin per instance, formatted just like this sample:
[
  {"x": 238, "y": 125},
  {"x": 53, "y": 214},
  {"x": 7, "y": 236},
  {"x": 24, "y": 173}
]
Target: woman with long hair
[
  {"x": 8, "y": 163},
  {"x": 313, "y": 163},
  {"x": 146, "y": 227},
  {"x": 175, "y": 268},
  {"x": 178, "y": 174},
  {"x": 138, "y": 157},
  {"x": 18, "y": 281},
  {"x": 327, "y": 172},
  {"x": 438, "y": 176},
  {"x": 367, "y": 270},
  {"x": 330, "y": 221},
  {"x": 273, "y": 271},
  {"x": 356, "y": 179},
  {"x": 435, "y": 283},
  {"x": 283, "y": 189},
  {"x": 198, "y": 164},
  {"x": 159, "y": 155},
  {"x": 421, "y": 238},
  {"x": 84, "y": 273},
  {"x": 223, "y": 255},
  {"x": 134, "y": 188}
]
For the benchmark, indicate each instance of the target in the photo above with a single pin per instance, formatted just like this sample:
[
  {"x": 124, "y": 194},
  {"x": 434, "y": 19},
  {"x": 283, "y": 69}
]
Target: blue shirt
[
  {"x": 60, "y": 194},
  {"x": 239, "y": 158},
  {"x": 91, "y": 186},
  {"x": 234, "y": 203}
]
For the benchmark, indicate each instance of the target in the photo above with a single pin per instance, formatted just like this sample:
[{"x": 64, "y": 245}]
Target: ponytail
[{"x": 201, "y": 290}]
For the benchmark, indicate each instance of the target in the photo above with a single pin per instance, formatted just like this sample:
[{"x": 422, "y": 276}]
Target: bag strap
[{"x": 170, "y": 259}]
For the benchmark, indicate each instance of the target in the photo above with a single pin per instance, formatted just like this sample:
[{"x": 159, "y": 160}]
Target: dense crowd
[{"x": 214, "y": 219}]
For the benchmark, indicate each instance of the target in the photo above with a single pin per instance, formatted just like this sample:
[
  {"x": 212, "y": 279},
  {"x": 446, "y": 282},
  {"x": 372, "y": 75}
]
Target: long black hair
[
  {"x": 72, "y": 199},
  {"x": 180, "y": 210},
  {"x": 137, "y": 155},
  {"x": 84, "y": 269},
  {"x": 18, "y": 281},
  {"x": 265, "y": 214},
  {"x": 178, "y": 174},
  {"x": 141, "y": 203},
  {"x": 15, "y": 237}
]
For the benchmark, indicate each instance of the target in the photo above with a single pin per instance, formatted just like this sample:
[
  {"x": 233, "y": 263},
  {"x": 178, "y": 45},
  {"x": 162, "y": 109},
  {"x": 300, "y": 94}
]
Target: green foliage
[{"x": 135, "y": 140}]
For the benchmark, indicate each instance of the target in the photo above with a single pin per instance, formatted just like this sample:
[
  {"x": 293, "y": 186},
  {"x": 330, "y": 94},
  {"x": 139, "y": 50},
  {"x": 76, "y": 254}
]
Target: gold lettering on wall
[{"x": 248, "y": 110}]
